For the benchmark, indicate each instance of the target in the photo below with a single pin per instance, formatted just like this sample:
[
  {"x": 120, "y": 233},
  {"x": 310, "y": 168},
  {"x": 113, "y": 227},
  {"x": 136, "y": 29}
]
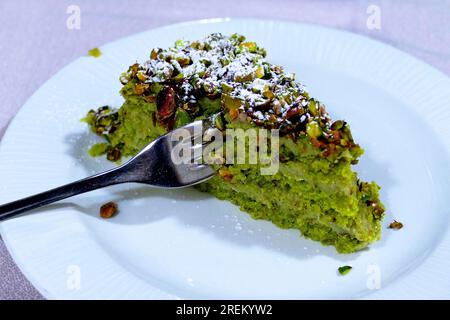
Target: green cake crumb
[{"x": 95, "y": 52}]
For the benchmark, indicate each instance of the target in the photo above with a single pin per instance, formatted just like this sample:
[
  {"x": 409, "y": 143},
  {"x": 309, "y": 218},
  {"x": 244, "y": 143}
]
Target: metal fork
[{"x": 153, "y": 165}]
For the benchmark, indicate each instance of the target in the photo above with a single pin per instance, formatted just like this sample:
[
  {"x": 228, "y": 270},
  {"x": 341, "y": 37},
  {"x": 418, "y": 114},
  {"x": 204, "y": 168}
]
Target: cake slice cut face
[{"x": 228, "y": 79}]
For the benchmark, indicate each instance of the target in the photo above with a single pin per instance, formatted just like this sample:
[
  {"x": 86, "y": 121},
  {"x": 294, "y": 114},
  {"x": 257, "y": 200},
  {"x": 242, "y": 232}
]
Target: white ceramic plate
[{"x": 185, "y": 244}]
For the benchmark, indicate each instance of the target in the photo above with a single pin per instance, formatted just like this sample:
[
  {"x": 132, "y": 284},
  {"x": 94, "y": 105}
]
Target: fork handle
[{"x": 104, "y": 179}]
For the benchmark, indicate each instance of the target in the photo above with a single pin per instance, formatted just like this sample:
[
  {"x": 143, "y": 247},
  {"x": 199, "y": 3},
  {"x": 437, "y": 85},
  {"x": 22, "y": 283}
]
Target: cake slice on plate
[{"x": 228, "y": 79}]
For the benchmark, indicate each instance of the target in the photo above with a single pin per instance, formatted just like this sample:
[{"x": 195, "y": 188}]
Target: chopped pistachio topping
[
  {"x": 396, "y": 225},
  {"x": 108, "y": 210},
  {"x": 228, "y": 81}
]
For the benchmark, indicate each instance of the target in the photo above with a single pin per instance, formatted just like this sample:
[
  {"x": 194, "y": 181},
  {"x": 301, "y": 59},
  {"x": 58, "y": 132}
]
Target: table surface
[{"x": 35, "y": 43}]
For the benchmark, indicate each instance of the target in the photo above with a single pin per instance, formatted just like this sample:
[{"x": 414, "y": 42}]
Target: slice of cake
[{"x": 314, "y": 189}]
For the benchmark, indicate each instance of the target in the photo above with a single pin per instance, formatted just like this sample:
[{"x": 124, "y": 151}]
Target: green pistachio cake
[{"x": 228, "y": 78}]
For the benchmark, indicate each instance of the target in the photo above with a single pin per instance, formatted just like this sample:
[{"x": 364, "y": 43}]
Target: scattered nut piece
[
  {"x": 234, "y": 114},
  {"x": 344, "y": 270},
  {"x": 396, "y": 225},
  {"x": 108, "y": 210}
]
